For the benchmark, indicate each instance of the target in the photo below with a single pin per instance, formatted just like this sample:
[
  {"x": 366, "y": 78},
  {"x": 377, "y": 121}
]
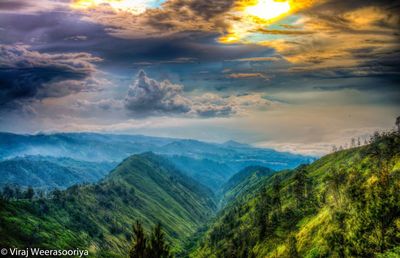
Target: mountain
[
  {"x": 211, "y": 173},
  {"x": 99, "y": 217},
  {"x": 211, "y": 164},
  {"x": 236, "y": 144},
  {"x": 48, "y": 172},
  {"x": 245, "y": 180},
  {"x": 347, "y": 204}
]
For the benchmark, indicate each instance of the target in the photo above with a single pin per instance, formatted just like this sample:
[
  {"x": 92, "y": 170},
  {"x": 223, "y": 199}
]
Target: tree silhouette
[
  {"x": 299, "y": 186},
  {"x": 154, "y": 246},
  {"x": 29, "y": 194},
  {"x": 8, "y": 193},
  {"x": 139, "y": 247},
  {"x": 158, "y": 247}
]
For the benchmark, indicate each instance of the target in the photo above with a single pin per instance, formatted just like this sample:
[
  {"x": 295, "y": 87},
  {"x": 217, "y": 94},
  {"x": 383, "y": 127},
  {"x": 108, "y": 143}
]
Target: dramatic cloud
[
  {"x": 345, "y": 38},
  {"x": 173, "y": 16},
  {"x": 148, "y": 97},
  {"x": 26, "y": 74},
  {"x": 291, "y": 78}
]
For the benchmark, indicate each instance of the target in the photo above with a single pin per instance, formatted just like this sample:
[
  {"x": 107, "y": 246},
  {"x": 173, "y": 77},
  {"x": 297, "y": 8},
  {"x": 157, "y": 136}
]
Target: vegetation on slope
[
  {"x": 245, "y": 180},
  {"x": 48, "y": 173},
  {"x": 99, "y": 217},
  {"x": 347, "y": 204},
  {"x": 153, "y": 246}
]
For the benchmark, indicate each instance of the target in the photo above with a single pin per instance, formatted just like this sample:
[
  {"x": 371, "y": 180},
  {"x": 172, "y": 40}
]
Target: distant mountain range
[{"x": 211, "y": 164}]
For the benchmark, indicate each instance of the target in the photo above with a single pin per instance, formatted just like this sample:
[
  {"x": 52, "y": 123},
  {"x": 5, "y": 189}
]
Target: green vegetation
[
  {"x": 347, "y": 204},
  {"x": 98, "y": 217},
  {"x": 244, "y": 181},
  {"x": 154, "y": 246},
  {"x": 46, "y": 173}
]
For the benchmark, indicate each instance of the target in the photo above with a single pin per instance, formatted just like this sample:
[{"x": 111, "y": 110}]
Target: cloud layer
[
  {"x": 148, "y": 97},
  {"x": 27, "y": 74}
]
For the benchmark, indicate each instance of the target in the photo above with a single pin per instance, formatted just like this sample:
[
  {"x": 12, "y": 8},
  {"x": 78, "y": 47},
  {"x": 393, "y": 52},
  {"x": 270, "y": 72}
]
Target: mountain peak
[{"x": 232, "y": 143}]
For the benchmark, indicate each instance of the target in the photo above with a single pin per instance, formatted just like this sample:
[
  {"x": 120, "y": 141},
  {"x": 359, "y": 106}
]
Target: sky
[{"x": 294, "y": 75}]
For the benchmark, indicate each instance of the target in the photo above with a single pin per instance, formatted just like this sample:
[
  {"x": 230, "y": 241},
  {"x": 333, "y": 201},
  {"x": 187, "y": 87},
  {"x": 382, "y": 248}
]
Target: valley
[{"x": 345, "y": 204}]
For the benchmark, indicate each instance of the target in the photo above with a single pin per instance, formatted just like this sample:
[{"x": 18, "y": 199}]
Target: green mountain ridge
[
  {"x": 47, "y": 173},
  {"x": 243, "y": 181},
  {"x": 346, "y": 204},
  {"x": 99, "y": 217}
]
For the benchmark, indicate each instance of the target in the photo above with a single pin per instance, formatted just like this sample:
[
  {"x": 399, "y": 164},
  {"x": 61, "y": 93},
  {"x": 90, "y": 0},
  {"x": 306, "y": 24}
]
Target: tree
[
  {"x": 299, "y": 186},
  {"x": 335, "y": 178},
  {"x": 17, "y": 193},
  {"x": 57, "y": 195},
  {"x": 398, "y": 124},
  {"x": 155, "y": 247},
  {"x": 336, "y": 238},
  {"x": 8, "y": 193},
  {"x": 158, "y": 247},
  {"x": 139, "y": 247},
  {"x": 293, "y": 248},
  {"x": 262, "y": 213},
  {"x": 276, "y": 191},
  {"x": 353, "y": 142},
  {"x": 29, "y": 193}
]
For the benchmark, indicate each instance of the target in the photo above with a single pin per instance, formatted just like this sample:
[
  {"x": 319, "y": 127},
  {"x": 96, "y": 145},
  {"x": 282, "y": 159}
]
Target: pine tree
[
  {"x": 8, "y": 193},
  {"x": 263, "y": 209},
  {"x": 277, "y": 187},
  {"x": 299, "y": 186},
  {"x": 158, "y": 247},
  {"x": 139, "y": 247},
  {"x": 29, "y": 194}
]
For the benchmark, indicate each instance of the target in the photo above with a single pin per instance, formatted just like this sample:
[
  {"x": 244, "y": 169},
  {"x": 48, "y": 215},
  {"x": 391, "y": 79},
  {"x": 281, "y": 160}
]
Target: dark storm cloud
[
  {"x": 26, "y": 74},
  {"x": 52, "y": 32}
]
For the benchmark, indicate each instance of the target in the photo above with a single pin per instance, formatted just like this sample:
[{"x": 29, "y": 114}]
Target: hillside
[
  {"x": 48, "y": 173},
  {"x": 211, "y": 173},
  {"x": 243, "y": 181},
  {"x": 347, "y": 204},
  {"x": 100, "y": 216}
]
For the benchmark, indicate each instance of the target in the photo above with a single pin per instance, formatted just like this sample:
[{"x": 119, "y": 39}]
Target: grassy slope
[
  {"x": 244, "y": 181},
  {"x": 99, "y": 217},
  {"x": 347, "y": 204}
]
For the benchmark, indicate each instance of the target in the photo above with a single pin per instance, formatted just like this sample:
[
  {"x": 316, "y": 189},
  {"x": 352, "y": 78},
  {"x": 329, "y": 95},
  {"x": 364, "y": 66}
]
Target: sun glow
[
  {"x": 255, "y": 14},
  {"x": 131, "y": 6},
  {"x": 268, "y": 9}
]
